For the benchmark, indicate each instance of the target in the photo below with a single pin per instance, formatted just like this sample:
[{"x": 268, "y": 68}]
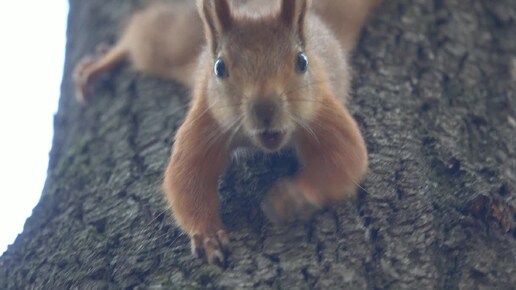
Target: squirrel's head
[{"x": 261, "y": 77}]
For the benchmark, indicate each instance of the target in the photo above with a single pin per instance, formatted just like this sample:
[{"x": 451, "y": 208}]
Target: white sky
[{"x": 32, "y": 43}]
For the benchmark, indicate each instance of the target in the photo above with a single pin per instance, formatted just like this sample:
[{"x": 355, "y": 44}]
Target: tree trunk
[{"x": 434, "y": 96}]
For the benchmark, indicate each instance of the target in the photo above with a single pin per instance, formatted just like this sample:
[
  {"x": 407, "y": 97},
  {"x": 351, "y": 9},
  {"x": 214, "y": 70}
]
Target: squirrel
[{"x": 266, "y": 74}]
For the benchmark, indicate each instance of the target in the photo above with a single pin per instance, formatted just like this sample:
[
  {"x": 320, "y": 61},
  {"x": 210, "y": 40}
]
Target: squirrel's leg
[
  {"x": 199, "y": 157},
  {"x": 90, "y": 67},
  {"x": 334, "y": 161},
  {"x": 163, "y": 39}
]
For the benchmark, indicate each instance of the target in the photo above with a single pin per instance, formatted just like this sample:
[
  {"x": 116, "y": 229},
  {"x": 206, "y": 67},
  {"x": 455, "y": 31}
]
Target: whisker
[
  {"x": 227, "y": 106},
  {"x": 360, "y": 187},
  {"x": 157, "y": 217},
  {"x": 206, "y": 110},
  {"x": 177, "y": 238},
  {"x": 305, "y": 126},
  {"x": 233, "y": 123},
  {"x": 236, "y": 129},
  {"x": 216, "y": 134},
  {"x": 307, "y": 100}
]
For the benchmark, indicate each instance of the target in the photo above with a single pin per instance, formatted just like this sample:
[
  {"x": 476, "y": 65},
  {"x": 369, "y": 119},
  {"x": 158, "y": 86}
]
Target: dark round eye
[
  {"x": 220, "y": 69},
  {"x": 301, "y": 63}
]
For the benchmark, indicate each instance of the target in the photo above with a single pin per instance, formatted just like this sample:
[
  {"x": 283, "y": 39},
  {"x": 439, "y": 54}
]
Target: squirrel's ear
[
  {"x": 293, "y": 14},
  {"x": 217, "y": 18}
]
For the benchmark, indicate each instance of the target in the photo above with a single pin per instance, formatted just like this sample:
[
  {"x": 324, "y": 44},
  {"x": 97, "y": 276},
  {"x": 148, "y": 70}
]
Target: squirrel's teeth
[{"x": 271, "y": 139}]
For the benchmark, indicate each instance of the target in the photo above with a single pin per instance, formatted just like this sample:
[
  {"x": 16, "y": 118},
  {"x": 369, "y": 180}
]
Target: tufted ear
[
  {"x": 217, "y": 18},
  {"x": 293, "y": 14}
]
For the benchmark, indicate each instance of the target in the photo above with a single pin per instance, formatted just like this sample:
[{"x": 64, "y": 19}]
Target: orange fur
[{"x": 263, "y": 101}]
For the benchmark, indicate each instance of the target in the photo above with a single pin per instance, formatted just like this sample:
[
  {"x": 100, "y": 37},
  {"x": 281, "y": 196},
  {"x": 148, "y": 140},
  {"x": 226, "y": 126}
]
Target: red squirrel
[{"x": 266, "y": 74}]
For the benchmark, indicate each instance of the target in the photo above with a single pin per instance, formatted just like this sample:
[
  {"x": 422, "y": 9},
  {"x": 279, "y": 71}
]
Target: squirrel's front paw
[
  {"x": 81, "y": 78},
  {"x": 212, "y": 244},
  {"x": 285, "y": 202},
  {"x": 82, "y": 74}
]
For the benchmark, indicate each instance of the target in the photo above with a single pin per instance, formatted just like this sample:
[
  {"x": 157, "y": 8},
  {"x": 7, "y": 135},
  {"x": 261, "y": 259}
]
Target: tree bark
[{"x": 434, "y": 93}]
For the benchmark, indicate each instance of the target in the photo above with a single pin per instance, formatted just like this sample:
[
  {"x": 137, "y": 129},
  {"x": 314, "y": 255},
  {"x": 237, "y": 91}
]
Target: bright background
[{"x": 32, "y": 44}]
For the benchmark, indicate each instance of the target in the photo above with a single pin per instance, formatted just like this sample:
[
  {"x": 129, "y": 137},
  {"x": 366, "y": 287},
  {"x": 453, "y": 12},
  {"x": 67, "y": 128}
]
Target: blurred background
[{"x": 32, "y": 47}]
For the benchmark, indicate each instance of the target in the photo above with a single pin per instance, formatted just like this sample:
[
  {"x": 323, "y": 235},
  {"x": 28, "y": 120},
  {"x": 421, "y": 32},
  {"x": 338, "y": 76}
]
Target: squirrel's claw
[
  {"x": 84, "y": 72},
  {"x": 102, "y": 48},
  {"x": 212, "y": 245},
  {"x": 82, "y": 79}
]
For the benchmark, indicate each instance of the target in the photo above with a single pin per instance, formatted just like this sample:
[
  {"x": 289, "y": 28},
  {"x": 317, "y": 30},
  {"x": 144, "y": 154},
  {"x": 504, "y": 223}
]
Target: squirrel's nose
[{"x": 265, "y": 111}]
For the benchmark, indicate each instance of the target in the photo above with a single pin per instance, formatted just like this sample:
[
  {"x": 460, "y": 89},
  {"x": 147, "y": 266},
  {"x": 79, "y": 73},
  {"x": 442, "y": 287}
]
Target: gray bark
[{"x": 434, "y": 95}]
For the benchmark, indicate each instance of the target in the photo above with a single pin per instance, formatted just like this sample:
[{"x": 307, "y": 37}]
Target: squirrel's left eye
[
  {"x": 301, "y": 63},
  {"x": 220, "y": 69}
]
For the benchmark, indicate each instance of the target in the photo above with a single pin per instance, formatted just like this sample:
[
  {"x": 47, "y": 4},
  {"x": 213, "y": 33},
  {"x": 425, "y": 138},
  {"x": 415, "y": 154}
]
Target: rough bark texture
[{"x": 434, "y": 95}]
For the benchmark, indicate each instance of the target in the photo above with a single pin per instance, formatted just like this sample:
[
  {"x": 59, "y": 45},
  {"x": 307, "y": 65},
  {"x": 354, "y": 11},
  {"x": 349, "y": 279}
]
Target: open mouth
[{"x": 271, "y": 140}]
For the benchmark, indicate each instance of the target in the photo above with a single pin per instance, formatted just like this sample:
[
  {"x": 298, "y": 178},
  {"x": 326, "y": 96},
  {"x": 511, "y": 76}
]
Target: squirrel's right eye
[
  {"x": 220, "y": 69},
  {"x": 301, "y": 63}
]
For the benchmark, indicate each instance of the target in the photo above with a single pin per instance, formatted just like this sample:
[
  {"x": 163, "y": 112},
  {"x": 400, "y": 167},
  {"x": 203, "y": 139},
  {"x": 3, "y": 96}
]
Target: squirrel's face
[{"x": 262, "y": 79}]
